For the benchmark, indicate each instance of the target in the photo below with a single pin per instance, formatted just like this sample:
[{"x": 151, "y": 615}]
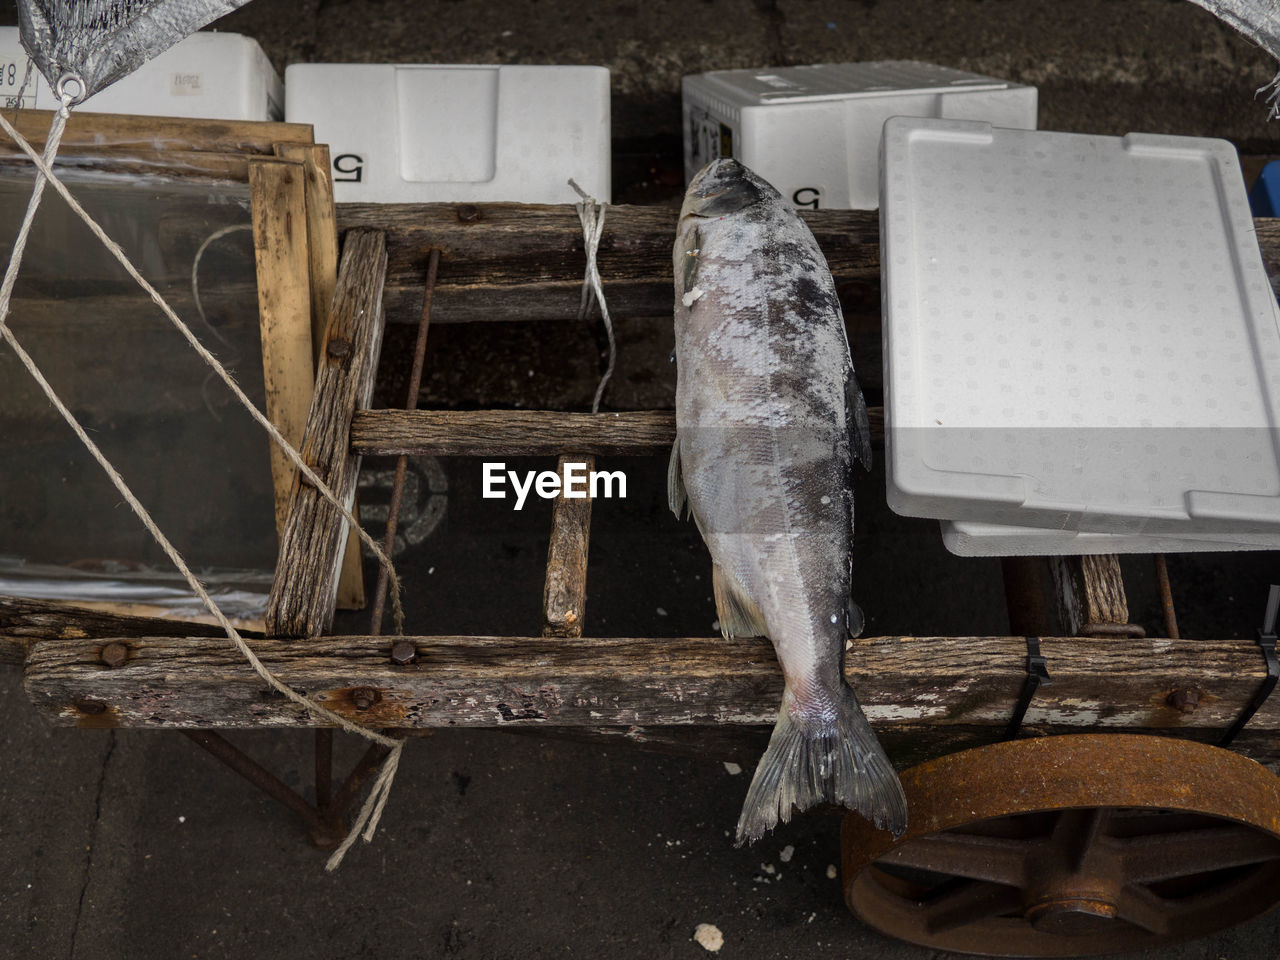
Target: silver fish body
[{"x": 769, "y": 419}]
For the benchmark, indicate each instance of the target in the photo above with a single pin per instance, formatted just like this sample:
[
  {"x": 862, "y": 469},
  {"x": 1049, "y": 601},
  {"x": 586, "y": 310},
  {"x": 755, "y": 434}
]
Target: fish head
[{"x": 721, "y": 188}]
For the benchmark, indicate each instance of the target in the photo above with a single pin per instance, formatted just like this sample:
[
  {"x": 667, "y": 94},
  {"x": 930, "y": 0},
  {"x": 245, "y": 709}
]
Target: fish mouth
[{"x": 722, "y": 187}]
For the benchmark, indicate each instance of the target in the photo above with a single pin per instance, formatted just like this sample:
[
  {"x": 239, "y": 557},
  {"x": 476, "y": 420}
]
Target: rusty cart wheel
[{"x": 1069, "y": 846}]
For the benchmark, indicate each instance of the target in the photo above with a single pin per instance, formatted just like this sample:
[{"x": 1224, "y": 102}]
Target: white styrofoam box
[
  {"x": 814, "y": 131},
  {"x": 208, "y": 75},
  {"x": 427, "y": 133},
  {"x": 1079, "y": 333},
  {"x": 970, "y": 539}
]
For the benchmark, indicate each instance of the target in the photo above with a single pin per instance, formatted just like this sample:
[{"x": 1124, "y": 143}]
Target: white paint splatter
[{"x": 732, "y": 768}]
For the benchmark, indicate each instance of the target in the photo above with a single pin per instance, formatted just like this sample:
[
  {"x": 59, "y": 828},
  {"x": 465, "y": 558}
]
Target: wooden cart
[{"x": 1026, "y": 843}]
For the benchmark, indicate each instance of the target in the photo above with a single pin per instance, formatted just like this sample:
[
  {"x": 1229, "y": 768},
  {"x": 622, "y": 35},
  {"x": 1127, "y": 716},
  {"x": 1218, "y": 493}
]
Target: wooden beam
[
  {"x": 322, "y": 245},
  {"x": 1090, "y": 595},
  {"x": 564, "y": 596},
  {"x": 935, "y": 688},
  {"x": 504, "y": 261},
  {"x": 522, "y": 432},
  {"x": 305, "y": 587},
  {"x": 94, "y": 130},
  {"x": 24, "y": 622},
  {"x": 279, "y": 207},
  {"x": 143, "y": 162}
]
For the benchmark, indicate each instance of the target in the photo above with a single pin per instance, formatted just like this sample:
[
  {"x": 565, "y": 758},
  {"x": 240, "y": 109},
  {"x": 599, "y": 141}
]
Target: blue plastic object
[{"x": 1264, "y": 198}]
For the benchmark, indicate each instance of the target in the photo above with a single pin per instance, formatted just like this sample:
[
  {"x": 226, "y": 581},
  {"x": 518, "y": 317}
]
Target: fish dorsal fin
[
  {"x": 677, "y": 498},
  {"x": 739, "y": 615}
]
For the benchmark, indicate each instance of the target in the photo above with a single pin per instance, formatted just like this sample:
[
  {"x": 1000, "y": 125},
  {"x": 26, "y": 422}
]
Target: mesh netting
[
  {"x": 100, "y": 41},
  {"x": 1259, "y": 20}
]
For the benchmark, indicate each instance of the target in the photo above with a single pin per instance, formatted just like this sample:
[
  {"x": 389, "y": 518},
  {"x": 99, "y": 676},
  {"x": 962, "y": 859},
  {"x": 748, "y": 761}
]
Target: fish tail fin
[{"x": 812, "y": 760}]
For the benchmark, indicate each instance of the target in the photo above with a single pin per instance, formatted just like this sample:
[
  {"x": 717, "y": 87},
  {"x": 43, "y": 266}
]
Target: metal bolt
[
  {"x": 468, "y": 213},
  {"x": 338, "y": 348},
  {"x": 365, "y": 697},
  {"x": 403, "y": 652},
  {"x": 114, "y": 654},
  {"x": 1185, "y": 699}
]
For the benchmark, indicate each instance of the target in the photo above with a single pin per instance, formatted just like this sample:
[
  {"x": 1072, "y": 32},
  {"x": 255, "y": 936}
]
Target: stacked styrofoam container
[
  {"x": 401, "y": 133},
  {"x": 814, "y": 131},
  {"x": 208, "y": 75},
  {"x": 1081, "y": 345}
]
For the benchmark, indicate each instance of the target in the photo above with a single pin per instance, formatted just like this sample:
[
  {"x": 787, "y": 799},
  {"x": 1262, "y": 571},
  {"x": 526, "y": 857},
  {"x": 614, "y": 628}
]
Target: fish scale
[{"x": 766, "y": 398}]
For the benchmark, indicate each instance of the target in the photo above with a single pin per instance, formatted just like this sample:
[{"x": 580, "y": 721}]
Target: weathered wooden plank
[
  {"x": 525, "y": 262},
  {"x": 143, "y": 161},
  {"x": 1090, "y": 593},
  {"x": 279, "y": 207},
  {"x": 522, "y": 432},
  {"x": 322, "y": 246},
  {"x": 305, "y": 587},
  {"x": 94, "y": 130},
  {"x": 564, "y": 596},
  {"x": 919, "y": 682},
  {"x": 505, "y": 261},
  {"x": 24, "y": 622}
]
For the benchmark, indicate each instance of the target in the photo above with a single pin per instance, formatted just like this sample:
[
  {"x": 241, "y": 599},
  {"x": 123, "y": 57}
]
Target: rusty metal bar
[
  {"x": 255, "y": 773},
  {"x": 360, "y": 773},
  {"x": 1166, "y": 598},
  {"x": 324, "y": 768},
  {"x": 402, "y": 462},
  {"x": 1113, "y": 630}
]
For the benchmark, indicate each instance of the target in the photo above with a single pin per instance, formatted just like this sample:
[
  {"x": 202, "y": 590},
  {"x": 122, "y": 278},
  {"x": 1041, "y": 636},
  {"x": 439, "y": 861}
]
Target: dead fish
[{"x": 769, "y": 418}]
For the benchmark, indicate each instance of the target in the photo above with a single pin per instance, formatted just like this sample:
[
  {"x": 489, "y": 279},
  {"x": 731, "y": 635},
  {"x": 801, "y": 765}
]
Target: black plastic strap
[
  {"x": 1037, "y": 673},
  {"x": 1267, "y": 642}
]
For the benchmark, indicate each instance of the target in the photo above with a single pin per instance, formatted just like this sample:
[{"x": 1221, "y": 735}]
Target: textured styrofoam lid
[
  {"x": 1079, "y": 332},
  {"x": 844, "y": 81},
  {"x": 966, "y": 538}
]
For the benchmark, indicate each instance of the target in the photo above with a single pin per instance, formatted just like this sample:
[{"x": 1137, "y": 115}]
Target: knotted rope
[
  {"x": 591, "y": 216},
  {"x": 371, "y": 812}
]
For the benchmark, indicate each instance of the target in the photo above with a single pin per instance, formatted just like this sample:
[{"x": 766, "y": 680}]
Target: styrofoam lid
[
  {"x": 1077, "y": 329},
  {"x": 844, "y": 81}
]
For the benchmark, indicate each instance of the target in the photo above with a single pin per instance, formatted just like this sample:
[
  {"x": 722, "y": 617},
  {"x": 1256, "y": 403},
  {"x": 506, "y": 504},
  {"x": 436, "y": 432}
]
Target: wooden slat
[
  {"x": 322, "y": 245},
  {"x": 145, "y": 162},
  {"x": 926, "y": 684},
  {"x": 24, "y": 622},
  {"x": 303, "y": 594},
  {"x": 1089, "y": 591},
  {"x": 279, "y": 208},
  {"x": 522, "y": 432},
  {"x": 525, "y": 262},
  {"x": 92, "y": 130},
  {"x": 564, "y": 596}
]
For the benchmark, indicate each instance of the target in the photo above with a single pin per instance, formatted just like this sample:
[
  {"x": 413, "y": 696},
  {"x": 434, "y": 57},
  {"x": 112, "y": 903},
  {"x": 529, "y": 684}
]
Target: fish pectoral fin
[
  {"x": 739, "y": 615},
  {"x": 856, "y": 420},
  {"x": 677, "y": 497},
  {"x": 855, "y": 620}
]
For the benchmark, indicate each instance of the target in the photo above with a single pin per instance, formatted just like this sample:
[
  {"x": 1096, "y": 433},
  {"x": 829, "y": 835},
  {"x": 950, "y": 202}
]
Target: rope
[
  {"x": 371, "y": 813},
  {"x": 591, "y": 216}
]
